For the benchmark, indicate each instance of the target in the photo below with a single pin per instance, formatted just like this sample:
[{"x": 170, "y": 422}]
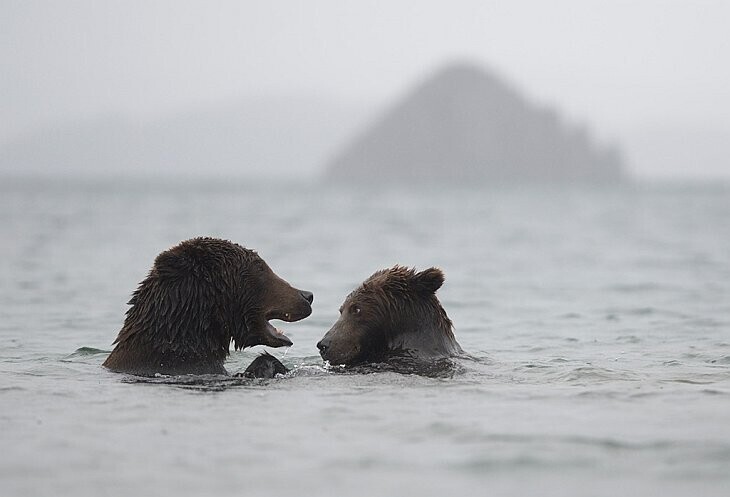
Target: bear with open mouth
[
  {"x": 198, "y": 297},
  {"x": 394, "y": 314}
]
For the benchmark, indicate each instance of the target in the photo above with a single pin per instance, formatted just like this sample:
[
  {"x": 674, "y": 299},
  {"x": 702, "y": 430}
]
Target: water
[{"x": 599, "y": 322}]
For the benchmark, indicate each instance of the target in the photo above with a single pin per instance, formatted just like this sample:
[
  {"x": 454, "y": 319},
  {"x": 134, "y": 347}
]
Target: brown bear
[
  {"x": 394, "y": 314},
  {"x": 198, "y": 297}
]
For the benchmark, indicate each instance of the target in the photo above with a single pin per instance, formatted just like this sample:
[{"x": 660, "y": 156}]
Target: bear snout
[
  {"x": 338, "y": 349},
  {"x": 297, "y": 306},
  {"x": 308, "y": 296},
  {"x": 323, "y": 345}
]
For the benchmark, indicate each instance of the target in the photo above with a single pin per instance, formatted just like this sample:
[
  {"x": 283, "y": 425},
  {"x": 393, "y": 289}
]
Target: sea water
[{"x": 597, "y": 320}]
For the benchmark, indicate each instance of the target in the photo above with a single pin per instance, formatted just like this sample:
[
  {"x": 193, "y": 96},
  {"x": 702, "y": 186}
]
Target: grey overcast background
[{"x": 652, "y": 76}]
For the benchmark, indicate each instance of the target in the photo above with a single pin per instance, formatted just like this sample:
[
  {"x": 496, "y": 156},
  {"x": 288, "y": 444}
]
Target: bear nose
[
  {"x": 308, "y": 296},
  {"x": 322, "y": 346}
]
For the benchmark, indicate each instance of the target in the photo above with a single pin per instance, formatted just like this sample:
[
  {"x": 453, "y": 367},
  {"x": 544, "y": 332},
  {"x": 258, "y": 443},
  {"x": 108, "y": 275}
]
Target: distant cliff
[{"x": 464, "y": 125}]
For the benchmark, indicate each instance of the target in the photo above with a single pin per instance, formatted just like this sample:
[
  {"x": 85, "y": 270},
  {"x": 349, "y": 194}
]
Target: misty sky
[{"x": 618, "y": 65}]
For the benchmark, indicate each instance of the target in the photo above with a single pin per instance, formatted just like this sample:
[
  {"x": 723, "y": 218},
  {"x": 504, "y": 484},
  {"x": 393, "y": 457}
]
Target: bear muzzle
[
  {"x": 338, "y": 350},
  {"x": 288, "y": 312}
]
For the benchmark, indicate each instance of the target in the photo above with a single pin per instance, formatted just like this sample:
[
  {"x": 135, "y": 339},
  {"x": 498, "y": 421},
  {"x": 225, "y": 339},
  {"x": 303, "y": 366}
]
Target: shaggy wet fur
[
  {"x": 394, "y": 313},
  {"x": 198, "y": 297}
]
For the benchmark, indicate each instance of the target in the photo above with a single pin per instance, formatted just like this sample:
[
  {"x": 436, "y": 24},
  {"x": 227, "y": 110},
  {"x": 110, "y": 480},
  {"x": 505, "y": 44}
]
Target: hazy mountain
[
  {"x": 259, "y": 137},
  {"x": 463, "y": 124},
  {"x": 466, "y": 124}
]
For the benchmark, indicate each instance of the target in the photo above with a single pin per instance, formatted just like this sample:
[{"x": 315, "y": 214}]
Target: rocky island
[{"x": 465, "y": 124}]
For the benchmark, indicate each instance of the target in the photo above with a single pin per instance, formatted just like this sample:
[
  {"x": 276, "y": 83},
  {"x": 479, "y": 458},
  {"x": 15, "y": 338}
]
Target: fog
[
  {"x": 556, "y": 172},
  {"x": 298, "y": 78}
]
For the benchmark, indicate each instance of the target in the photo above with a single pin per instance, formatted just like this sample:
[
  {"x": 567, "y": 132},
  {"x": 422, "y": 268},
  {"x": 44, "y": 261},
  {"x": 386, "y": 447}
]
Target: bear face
[
  {"x": 394, "y": 313},
  {"x": 198, "y": 297}
]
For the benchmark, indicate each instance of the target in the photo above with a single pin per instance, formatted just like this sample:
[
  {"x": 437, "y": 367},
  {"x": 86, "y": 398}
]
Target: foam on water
[{"x": 596, "y": 322}]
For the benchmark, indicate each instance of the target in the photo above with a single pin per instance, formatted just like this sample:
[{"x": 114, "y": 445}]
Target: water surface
[{"x": 598, "y": 322}]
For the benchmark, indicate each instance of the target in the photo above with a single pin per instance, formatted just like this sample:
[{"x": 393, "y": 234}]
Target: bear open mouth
[{"x": 275, "y": 337}]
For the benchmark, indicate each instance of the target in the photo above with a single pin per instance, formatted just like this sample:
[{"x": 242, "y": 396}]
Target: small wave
[
  {"x": 219, "y": 383},
  {"x": 531, "y": 367},
  {"x": 539, "y": 451},
  {"x": 480, "y": 357},
  {"x": 690, "y": 381},
  {"x": 671, "y": 363},
  {"x": 305, "y": 370},
  {"x": 199, "y": 383},
  {"x": 643, "y": 395},
  {"x": 84, "y": 352},
  {"x": 11, "y": 389},
  {"x": 598, "y": 442},
  {"x": 637, "y": 288},
  {"x": 443, "y": 368},
  {"x": 721, "y": 360},
  {"x": 617, "y": 313},
  {"x": 571, "y": 315},
  {"x": 595, "y": 374},
  {"x": 481, "y": 465},
  {"x": 641, "y": 311},
  {"x": 690, "y": 355}
]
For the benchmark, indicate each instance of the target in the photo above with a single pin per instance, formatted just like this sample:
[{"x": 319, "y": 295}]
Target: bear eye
[{"x": 354, "y": 309}]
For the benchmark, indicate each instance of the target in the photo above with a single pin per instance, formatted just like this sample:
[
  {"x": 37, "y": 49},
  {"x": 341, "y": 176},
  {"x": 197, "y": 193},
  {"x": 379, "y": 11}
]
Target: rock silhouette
[{"x": 465, "y": 124}]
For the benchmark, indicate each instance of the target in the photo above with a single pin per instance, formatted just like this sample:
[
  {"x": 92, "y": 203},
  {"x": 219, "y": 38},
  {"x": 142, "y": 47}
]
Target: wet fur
[
  {"x": 198, "y": 297},
  {"x": 394, "y": 313}
]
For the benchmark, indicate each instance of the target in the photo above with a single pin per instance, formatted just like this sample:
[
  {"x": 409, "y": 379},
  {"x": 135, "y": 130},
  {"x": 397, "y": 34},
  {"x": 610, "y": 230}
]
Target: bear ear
[{"x": 429, "y": 280}]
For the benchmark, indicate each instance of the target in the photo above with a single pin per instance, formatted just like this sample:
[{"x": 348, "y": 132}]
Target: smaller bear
[
  {"x": 200, "y": 296},
  {"x": 264, "y": 366},
  {"x": 394, "y": 314}
]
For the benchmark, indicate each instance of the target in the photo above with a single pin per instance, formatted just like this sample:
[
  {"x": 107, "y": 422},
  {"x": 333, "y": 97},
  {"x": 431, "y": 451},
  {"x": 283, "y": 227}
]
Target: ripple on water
[
  {"x": 532, "y": 367},
  {"x": 721, "y": 360},
  {"x": 593, "y": 374},
  {"x": 216, "y": 383},
  {"x": 504, "y": 452},
  {"x": 13, "y": 388},
  {"x": 571, "y": 315},
  {"x": 85, "y": 352},
  {"x": 560, "y": 360},
  {"x": 551, "y": 376},
  {"x": 699, "y": 379},
  {"x": 712, "y": 391},
  {"x": 199, "y": 383},
  {"x": 671, "y": 363}
]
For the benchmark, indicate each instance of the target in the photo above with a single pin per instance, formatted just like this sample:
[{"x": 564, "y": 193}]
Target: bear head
[
  {"x": 198, "y": 297},
  {"x": 394, "y": 313}
]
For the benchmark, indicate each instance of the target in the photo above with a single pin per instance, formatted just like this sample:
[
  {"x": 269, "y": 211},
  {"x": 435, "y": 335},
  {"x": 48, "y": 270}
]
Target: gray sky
[{"x": 616, "y": 64}]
